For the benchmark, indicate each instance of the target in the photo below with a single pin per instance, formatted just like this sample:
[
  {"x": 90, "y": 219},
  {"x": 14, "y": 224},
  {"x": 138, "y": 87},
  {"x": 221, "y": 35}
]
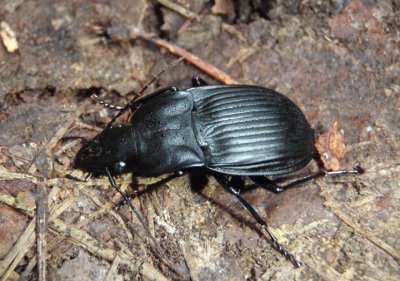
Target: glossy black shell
[{"x": 237, "y": 130}]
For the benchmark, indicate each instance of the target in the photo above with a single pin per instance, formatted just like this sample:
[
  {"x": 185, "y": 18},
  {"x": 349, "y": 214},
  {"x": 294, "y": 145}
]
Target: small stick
[{"x": 206, "y": 67}]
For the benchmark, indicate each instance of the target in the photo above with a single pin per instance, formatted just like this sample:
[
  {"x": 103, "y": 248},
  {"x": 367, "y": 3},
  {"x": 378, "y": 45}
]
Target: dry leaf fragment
[{"x": 331, "y": 147}]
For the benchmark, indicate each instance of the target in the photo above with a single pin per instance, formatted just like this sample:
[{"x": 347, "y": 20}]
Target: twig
[
  {"x": 210, "y": 69},
  {"x": 42, "y": 213},
  {"x": 134, "y": 33}
]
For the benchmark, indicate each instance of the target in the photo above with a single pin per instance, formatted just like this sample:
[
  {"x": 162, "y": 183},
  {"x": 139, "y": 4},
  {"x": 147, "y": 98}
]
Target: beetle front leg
[
  {"x": 138, "y": 215},
  {"x": 275, "y": 188},
  {"x": 148, "y": 189},
  {"x": 236, "y": 192}
]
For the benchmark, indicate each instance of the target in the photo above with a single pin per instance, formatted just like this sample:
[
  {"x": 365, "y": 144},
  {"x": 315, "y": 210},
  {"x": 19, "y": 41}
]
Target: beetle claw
[
  {"x": 124, "y": 202},
  {"x": 359, "y": 170}
]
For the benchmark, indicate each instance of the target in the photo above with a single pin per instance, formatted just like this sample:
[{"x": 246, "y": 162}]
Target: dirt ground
[{"x": 339, "y": 60}]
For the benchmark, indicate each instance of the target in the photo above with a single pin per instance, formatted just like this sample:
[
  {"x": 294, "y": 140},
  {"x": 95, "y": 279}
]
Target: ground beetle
[{"x": 234, "y": 131}]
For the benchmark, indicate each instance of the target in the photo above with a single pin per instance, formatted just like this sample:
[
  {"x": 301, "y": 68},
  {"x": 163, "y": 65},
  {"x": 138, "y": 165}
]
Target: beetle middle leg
[
  {"x": 275, "y": 188},
  {"x": 198, "y": 81},
  {"x": 227, "y": 184}
]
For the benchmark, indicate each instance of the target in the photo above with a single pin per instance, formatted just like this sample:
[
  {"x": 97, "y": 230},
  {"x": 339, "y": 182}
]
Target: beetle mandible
[{"x": 233, "y": 131}]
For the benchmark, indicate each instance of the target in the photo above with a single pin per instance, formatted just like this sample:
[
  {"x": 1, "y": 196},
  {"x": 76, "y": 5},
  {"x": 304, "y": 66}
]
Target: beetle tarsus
[
  {"x": 270, "y": 185},
  {"x": 281, "y": 248},
  {"x": 356, "y": 170}
]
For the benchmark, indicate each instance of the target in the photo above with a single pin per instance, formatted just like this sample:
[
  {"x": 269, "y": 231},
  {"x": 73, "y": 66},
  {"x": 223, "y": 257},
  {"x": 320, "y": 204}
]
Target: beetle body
[{"x": 234, "y": 130}]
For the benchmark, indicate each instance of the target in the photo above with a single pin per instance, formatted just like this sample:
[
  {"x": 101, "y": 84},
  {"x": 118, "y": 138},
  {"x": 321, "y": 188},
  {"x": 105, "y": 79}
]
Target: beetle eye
[{"x": 119, "y": 167}]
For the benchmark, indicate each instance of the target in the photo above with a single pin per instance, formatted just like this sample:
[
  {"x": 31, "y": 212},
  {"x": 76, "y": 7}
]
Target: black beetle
[{"x": 233, "y": 131}]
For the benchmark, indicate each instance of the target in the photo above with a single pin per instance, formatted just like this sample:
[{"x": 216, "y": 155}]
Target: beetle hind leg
[
  {"x": 272, "y": 186},
  {"x": 264, "y": 227}
]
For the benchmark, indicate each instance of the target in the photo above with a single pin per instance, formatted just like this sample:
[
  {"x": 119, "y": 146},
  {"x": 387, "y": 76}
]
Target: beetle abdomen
[{"x": 251, "y": 130}]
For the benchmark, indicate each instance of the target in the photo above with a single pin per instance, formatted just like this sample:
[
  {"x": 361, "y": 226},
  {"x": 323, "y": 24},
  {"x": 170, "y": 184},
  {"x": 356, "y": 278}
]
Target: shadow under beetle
[{"x": 234, "y": 131}]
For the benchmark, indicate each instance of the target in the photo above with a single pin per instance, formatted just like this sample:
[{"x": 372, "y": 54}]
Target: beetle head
[{"x": 114, "y": 148}]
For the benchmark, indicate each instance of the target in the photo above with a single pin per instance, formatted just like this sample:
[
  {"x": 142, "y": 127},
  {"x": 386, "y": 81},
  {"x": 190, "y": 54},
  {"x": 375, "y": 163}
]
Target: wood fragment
[
  {"x": 92, "y": 245},
  {"x": 179, "y": 9},
  {"x": 25, "y": 241},
  {"x": 189, "y": 21},
  {"x": 113, "y": 268},
  {"x": 8, "y": 37},
  {"x": 23, "y": 245},
  {"x": 323, "y": 269}
]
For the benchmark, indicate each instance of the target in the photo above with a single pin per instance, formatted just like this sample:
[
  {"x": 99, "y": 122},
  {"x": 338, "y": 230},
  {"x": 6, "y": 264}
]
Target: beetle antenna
[
  {"x": 145, "y": 87},
  {"x": 105, "y": 104},
  {"x": 69, "y": 138},
  {"x": 155, "y": 78}
]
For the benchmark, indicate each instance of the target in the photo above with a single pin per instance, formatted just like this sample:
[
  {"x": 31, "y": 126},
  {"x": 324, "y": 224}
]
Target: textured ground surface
[{"x": 338, "y": 60}]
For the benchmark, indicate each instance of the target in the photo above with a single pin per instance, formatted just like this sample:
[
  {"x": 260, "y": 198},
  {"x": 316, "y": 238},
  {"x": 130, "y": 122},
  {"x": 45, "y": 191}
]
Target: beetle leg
[
  {"x": 274, "y": 187},
  {"x": 236, "y": 192},
  {"x": 148, "y": 189},
  {"x": 69, "y": 138},
  {"x": 138, "y": 215},
  {"x": 198, "y": 81},
  {"x": 268, "y": 184}
]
